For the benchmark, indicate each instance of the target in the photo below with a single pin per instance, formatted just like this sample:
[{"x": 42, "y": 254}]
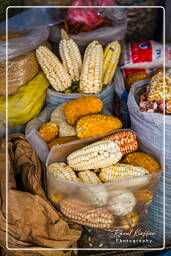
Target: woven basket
[{"x": 20, "y": 71}]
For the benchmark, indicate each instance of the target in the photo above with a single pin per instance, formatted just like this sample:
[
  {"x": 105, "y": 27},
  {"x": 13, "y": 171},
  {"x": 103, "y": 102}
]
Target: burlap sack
[{"x": 32, "y": 220}]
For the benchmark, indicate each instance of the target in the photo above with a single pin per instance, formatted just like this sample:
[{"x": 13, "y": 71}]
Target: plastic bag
[
  {"x": 20, "y": 71},
  {"x": 33, "y": 25},
  {"x": 33, "y": 126},
  {"x": 56, "y": 98},
  {"x": 120, "y": 100},
  {"x": 116, "y": 198},
  {"x": 152, "y": 127},
  {"x": 26, "y": 103},
  {"x": 86, "y": 19},
  {"x": 145, "y": 54},
  {"x": 104, "y": 34}
]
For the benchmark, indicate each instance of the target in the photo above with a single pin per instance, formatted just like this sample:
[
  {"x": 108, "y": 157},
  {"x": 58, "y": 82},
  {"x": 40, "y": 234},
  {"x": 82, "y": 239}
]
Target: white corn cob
[
  {"x": 89, "y": 177},
  {"x": 85, "y": 214},
  {"x": 122, "y": 204},
  {"x": 92, "y": 70},
  {"x": 121, "y": 171},
  {"x": 62, "y": 171},
  {"x": 110, "y": 62},
  {"x": 53, "y": 69},
  {"x": 70, "y": 55},
  {"x": 97, "y": 155}
]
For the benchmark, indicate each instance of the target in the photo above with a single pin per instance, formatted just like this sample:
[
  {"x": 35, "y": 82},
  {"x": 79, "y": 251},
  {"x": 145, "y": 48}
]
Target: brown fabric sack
[{"x": 32, "y": 220}]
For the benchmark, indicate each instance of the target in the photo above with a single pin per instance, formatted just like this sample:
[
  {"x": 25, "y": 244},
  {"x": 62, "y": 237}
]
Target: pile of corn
[
  {"x": 157, "y": 97},
  {"x": 73, "y": 74},
  {"x": 77, "y": 119},
  {"x": 110, "y": 159}
]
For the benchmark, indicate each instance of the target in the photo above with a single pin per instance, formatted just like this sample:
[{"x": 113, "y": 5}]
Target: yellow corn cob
[
  {"x": 58, "y": 116},
  {"x": 70, "y": 55},
  {"x": 126, "y": 140},
  {"x": 143, "y": 160},
  {"x": 129, "y": 221},
  {"x": 160, "y": 88},
  {"x": 48, "y": 131},
  {"x": 110, "y": 61},
  {"x": 93, "y": 125},
  {"x": 61, "y": 140},
  {"x": 53, "y": 69},
  {"x": 89, "y": 177},
  {"x": 96, "y": 155},
  {"x": 62, "y": 171},
  {"x": 92, "y": 70},
  {"x": 132, "y": 78},
  {"x": 86, "y": 105},
  {"x": 143, "y": 195},
  {"x": 121, "y": 171},
  {"x": 122, "y": 204},
  {"x": 85, "y": 214}
]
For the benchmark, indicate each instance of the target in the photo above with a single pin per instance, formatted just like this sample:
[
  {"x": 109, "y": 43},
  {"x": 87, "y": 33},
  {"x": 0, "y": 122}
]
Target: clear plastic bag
[
  {"x": 25, "y": 104},
  {"x": 32, "y": 24},
  {"x": 104, "y": 34},
  {"x": 118, "y": 198}
]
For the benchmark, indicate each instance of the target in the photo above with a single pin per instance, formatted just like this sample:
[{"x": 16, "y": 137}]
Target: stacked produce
[
  {"x": 109, "y": 160},
  {"x": 157, "y": 97},
  {"x": 77, "y": 119},
  {"x": 72, "y": 73}
]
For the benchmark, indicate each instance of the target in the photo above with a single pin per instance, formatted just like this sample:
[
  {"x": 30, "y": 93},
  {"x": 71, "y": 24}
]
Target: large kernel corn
[
  {"x": 62, "y": 171},
  {"x": 132, "y": 78},
  {"x": 129, "y": 221},
  {"x": 121, "y": 171},
  {"x": 85, "y": 214},
  {"x": 93, "y": 125},
  {"x": 61, "y": 140},
  {"x": 48, "y": 131},
  {"x": 143, "y": 195},
  {"x": 89, "y": 177},
  {"x": 143, "y": 160},
  {"x": 122, "y": 204},
  {"x": 126, "y": 140},
  {"x": 96, "y": 155},
  {"x": 79, "y": 107}
]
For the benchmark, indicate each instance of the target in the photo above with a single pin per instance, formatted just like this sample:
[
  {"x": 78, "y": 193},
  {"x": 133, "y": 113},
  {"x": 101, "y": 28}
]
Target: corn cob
[
  {"x": 160, "y": 88},
  {"x": 85, "y": 214},
  {"x": 142, "y": 160},
  {"x": 79, "y": 107},
  {"x": 53, "y": 69},
  {"x": 122, "y": 204},
  {"x": 93, "y": 125},
  {"x": 48, "y": 131},
  {"x": 89, "y": 177},
  {"x": 129, "y": 221},
  {"x": 62, "y": 171},
  {"x": 132, "y": 78},
  {"x": 126, "y": 140},
  {"x": 97, "y": 155},
  {"x": 110, "y": 61},
  {"x": 121, "y": 171},
  {"x": 58, "y": 117},
  {"x": 70, "y": 55},
  {"x": 92, "y": 70},
  {"x": 143, "y": 195},
  {"x": 61, "y": 140}
]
